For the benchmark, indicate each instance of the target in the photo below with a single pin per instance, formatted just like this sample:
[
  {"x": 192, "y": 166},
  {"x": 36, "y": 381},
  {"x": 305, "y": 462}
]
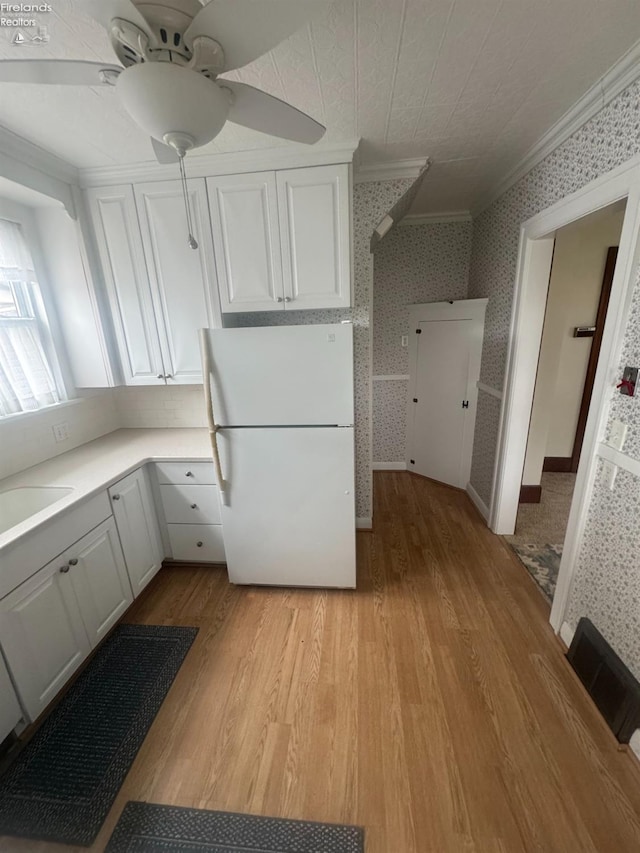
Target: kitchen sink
[{"x": 17, "y": 505}]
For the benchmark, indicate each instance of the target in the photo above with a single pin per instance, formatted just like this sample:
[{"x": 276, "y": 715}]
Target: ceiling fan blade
[
  {"x": 165, "y": 154},
  {"x": 104, "y": 11},
  {"x": 256, "y": 109},
  {"x": 63, "y": 72},
  {"x": 248, "y": 28}
]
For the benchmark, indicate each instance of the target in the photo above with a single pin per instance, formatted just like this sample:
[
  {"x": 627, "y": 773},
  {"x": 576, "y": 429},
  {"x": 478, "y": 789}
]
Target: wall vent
[{"x": 610, "y": 684}]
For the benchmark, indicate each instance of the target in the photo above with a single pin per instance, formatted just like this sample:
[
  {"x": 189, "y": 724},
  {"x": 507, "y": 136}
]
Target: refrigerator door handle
[{"x": 213, "y": 426}]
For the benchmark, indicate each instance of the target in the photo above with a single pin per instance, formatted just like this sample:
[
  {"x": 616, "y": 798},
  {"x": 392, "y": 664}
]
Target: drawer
[
  {"x": 184, "y": 540},
  {"x": 187, "y": 473},
  {"x": 191, "y": 504}
]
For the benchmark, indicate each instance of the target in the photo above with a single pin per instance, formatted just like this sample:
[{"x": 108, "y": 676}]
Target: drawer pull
[
  {"x": 199, "y": 544},
  {"x": 64, "y": 569},
  {"x": 73, "y": 562},
  {"x": 188, "y": 474},
  {"x": 115, "y": 498},
  {"x": 193, "y": 506}
]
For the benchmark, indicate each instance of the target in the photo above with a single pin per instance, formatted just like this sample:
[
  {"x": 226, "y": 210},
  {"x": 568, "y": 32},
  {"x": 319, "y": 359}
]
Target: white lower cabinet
[
  {"x": 10, "y": 710},
  {"x": 201, "y": 543},
  {"x": 43, "y": 636},
  {"x": 100, "y": 580},
  {"x": 135, "y": 517}
]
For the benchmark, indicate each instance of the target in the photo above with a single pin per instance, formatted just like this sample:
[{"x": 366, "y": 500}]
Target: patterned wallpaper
[
  {"x": 608, "y": 558},
  {"x": 414, "y": 263},
  {"x": 370, "y": 203}
]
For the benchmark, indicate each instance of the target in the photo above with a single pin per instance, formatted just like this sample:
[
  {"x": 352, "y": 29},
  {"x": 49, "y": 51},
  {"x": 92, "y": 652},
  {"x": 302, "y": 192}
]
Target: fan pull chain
[{"x": 193, "y": 243}]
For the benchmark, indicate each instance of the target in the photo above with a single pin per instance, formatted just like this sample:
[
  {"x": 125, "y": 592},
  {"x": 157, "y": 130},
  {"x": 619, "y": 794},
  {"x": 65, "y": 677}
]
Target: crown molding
[
  {"x": 625, "y": 71},
  {"x": 206, "y": 165},
  {"x": 391, "y": 170},
  {"x": 433, "y": 218},
  {"x": 30, "y": 166}
]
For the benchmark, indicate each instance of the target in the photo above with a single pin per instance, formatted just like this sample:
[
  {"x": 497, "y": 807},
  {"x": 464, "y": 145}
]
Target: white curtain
[{"x": 26, "y": 379}]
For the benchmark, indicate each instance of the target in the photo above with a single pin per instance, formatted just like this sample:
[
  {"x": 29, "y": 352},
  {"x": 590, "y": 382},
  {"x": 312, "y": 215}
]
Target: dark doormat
[
  {"x": 63, "y": 783},
  {"x": 147, "y": 828}
]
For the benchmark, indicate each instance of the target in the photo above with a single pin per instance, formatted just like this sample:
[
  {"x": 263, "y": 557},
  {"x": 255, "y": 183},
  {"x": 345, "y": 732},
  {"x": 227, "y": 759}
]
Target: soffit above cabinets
[{"x": 472, "y": 84}]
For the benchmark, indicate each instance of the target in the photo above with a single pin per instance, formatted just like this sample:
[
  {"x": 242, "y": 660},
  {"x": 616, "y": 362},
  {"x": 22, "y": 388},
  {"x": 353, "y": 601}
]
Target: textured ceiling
[{"x": 472, "y": 84}]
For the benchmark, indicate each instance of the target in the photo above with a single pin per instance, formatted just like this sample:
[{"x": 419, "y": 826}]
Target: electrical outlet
[
  {"x": 60, "y": 431},
  {"x": 617, "y": 434},
  {"x": 405, "y": 340}
]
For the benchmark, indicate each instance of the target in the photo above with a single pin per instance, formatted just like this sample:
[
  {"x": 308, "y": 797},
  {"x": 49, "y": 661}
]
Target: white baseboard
[
  {"x": 479, "y": 503},
  {"x": 566, "y": 633},
  {"x": 389, "y": 466},
  {"x": 364, "y": 523}
]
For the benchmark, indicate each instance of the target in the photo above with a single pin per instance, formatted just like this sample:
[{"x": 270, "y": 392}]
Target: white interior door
[
  {"x": 288, "y": 516},
  {"x": 445, "y": 365}
]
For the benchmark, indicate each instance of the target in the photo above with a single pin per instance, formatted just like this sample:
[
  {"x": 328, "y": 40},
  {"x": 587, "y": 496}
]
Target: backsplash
[
  {"x": 161, "y": 406},
  {"x": 29, "y": 440}
]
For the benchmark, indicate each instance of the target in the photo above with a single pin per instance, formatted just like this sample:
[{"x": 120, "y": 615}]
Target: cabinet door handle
[
  {"x": 115, "y": 497},
  {"x": 199, "y": 544},
  {"x": 73, "y": 562},
  {"x": 288, "y": 299},
  {"x": 168, "y": 376},
  {"x": 193, "y": 506},
  {"x": 160, "y": 376},
  {"x": 188, "y": 474},
  {"x": 279, "y": 299},
  {"x": 64, "y": 569}
]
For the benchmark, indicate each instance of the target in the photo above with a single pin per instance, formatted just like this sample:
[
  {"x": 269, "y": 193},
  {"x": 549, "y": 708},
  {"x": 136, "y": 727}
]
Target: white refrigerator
[{"x": 282, "y": 402}]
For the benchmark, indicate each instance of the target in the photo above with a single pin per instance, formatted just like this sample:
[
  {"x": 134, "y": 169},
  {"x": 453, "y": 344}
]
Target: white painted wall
[{"x": 574, "y": 292}]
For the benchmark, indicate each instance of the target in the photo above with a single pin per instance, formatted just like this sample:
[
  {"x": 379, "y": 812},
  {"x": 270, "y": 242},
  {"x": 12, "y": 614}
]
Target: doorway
[
  {"x": 528, "y": 309},
  {"x": 444, "y": 364},
  {"x": 584, "y": 258}
]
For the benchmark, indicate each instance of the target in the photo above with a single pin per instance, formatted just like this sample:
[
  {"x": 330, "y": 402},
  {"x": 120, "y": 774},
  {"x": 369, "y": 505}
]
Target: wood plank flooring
[{"x": 433, "y": 706}]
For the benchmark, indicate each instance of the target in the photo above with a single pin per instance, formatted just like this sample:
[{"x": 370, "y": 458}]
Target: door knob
[
  {"x": 73, "y": 562},
  {"x": 115, "y": 497},
  {"x": 194, "y": 506},
  {"x": 279, "y": 299},
  {"x": 188, "y": 474},
  {"x": 199, "y": 544},
  {"x": 64, "y": 569},
  {"x": 168, "y": 376},
  {"x": 160, "y": 376},
  {"x": 287, "y": 299}
]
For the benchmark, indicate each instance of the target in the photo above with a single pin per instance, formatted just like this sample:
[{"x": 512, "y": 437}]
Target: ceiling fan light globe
[{"x": 163, "y": 98}]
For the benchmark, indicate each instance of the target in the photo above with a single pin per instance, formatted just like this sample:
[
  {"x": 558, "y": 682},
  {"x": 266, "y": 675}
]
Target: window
[{"x": 27, "y": 375}]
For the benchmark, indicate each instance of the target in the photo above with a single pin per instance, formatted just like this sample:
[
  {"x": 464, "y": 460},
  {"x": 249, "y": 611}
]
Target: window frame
[{"x": 44, "y": 309}]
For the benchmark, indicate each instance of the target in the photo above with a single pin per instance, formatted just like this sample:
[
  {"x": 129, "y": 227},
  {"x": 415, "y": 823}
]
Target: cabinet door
[
  {"x": 182, "y": 279},
  {"x": 138, "y": 528},
  {"x": 99, "y": 579},
  {"x": 42, "y": 635},
  {"x": 315, "y": 226},
  {"x": 10, "y": 711},
  {"x": 246, "y": 237},
  {"x": 117, "y": 232}
]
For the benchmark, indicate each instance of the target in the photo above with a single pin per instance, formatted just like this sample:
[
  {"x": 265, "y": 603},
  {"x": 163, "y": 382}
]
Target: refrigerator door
[
  {"x": 283, "y": 375},
  {"x": 289, "y": 514}
]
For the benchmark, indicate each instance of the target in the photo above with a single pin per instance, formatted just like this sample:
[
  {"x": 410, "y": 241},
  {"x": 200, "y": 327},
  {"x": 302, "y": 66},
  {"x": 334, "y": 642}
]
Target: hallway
[{"x": 433, "y": 705}]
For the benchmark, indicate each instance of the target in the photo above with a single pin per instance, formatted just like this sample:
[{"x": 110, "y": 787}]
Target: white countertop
[{"x": 93, "y": 467}]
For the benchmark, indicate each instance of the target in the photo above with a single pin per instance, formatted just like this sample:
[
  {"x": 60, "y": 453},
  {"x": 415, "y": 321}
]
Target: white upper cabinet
[
  {"x": 183, "y": 283},
  {"x": 117, "y": 233},
  {"x": 246, "y": 236},
  {"x": 315, "y": 227},
  {"x": 282, "y": 239}
]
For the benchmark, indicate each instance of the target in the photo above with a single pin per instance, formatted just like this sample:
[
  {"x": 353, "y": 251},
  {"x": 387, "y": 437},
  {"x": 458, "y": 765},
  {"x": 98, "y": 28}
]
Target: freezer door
[
  {"x": 289, "y": 516},
  {"x": 283, "y": 375}
]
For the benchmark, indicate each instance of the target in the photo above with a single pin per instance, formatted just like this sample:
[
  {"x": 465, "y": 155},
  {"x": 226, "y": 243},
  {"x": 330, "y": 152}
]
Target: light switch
[
  {"x": 617, "y": 434},
  {"x": 609, "y": 471}
]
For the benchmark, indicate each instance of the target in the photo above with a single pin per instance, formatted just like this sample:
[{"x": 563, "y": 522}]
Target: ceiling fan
[{"x": 172, "y": 52}]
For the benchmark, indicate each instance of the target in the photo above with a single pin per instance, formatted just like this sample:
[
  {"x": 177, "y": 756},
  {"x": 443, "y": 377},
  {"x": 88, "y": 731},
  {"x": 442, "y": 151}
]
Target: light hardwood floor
[{"x": 433, "y": 705}]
